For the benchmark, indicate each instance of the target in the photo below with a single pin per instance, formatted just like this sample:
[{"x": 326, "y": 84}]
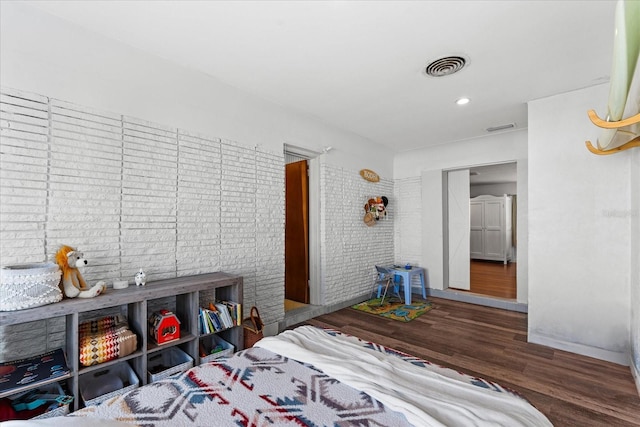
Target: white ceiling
[
  {"x": 494, "y": 174},
  {"x": 359, "y": 65}
]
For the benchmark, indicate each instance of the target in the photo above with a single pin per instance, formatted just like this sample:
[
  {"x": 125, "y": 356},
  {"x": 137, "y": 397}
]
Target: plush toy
[
  {"x": 73, "y": 285},
  {"x": 377, "y": 206},
  {"x": 141, "y": 278}
]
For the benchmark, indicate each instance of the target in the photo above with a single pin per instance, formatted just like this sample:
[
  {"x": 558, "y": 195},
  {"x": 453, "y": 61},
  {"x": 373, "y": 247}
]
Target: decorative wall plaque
[{"x": 369, "y": 175}]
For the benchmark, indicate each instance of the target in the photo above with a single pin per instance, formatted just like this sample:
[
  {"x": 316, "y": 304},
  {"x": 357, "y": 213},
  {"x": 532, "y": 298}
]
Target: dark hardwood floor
[{"x": 571, "y": 390}]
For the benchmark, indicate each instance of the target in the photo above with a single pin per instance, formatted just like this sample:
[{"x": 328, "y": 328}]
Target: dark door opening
[{"x": 296, "y": 247}]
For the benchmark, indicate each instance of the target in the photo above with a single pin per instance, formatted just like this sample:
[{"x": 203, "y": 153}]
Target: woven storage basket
[
  {"x": 172, "y": 359},
  {"x": 53, "y": 388},
  {"x": 29, "y": 285},
  {"x": 98, "y": 386},
  {"x": 210, "y": 342}
]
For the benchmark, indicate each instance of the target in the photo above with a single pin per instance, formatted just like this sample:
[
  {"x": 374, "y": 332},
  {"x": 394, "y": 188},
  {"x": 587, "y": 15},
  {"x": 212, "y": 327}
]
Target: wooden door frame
[
  {"x": 454, "y": 276},
  {"x": 296, "y": 233},
  {"x": 316, "y": 284},
  {"x": 521, "y": 215}
]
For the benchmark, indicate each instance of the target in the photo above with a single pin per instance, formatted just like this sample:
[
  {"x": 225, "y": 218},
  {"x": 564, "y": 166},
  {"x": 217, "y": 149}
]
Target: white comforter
[{"x": 426, "y": 398}]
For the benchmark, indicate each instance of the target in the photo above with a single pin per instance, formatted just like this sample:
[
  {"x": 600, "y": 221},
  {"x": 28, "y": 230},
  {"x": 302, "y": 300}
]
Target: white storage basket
[
  {"x": 50, "y": 389},
  {"x": 53, "y": 388},
  {"x": 173, "y": 359},
  {"x": 29, "y": 285},
  {"x": 98, "y": 386},
  {"x": 209, "y": 343}
]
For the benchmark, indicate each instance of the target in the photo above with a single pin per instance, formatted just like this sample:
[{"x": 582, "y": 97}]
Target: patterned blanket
[
  {"x": 314, "y": 377},
  {"x": 255, "y": 387},
  {"x": 426, "y": 394}
]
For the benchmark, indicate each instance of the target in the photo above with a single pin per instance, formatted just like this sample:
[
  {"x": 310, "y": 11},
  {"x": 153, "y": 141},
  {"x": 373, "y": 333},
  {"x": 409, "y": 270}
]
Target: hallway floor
[
  {"x": 493, "y": 278},
  {"x": 292, "y": 305}
]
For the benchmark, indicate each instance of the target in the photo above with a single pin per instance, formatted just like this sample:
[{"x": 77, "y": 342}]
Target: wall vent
[{"x": 501, "y": 127}]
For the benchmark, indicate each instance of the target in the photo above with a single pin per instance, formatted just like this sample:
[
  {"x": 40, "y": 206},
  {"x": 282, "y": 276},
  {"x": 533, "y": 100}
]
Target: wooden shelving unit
[{"x": 132, "y": 302}]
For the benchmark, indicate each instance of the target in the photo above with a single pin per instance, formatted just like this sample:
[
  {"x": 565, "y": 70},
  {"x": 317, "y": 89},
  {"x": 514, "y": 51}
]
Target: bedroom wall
[
  {"x": 635, "y": 266},
  {"x": 53, "y": 60},
  {"x": 579, "y": 231},
  {"x": 350, "y": 248},
  {"x": 418, "y": 181}
]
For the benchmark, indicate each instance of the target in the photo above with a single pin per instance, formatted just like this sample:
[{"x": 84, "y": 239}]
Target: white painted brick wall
[
  {"x": 132, "y": 194},
  {"x": 84, "y": 183},
  {"x": 408, "y": 224},
  {"x": 270, "y": 215},
  {"x": 24, "y": 146},
  {"x": 237, "y": 215},
  {"x": 199, "y": 178},
  {"x": 350, "y": 249},
  {"x": 148, "y": 225}
]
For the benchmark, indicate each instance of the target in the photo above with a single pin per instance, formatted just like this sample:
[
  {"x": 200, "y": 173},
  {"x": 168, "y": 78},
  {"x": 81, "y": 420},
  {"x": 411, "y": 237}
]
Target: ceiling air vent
[
  {"x": 501, "y": 127},
  {"x": 445, "y": 66}
]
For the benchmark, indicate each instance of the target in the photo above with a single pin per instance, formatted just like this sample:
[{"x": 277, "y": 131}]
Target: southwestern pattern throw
[
  {"x": 314, "y": 377},
  {"x": 253, "y": 388}
]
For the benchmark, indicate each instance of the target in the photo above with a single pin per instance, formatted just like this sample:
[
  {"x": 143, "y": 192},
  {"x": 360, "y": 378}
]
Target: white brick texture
[
  {"x": 132, "y": 194},
  {"x": 350, "y": 249},
  {"x": 408, "y": 221}
]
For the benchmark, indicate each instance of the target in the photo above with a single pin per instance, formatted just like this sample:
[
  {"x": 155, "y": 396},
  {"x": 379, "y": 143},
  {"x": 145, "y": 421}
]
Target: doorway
[
  {"x": 482, "y": 237},
  {"x": 302, "y": 231},
  {"x": 296, "y": 247}
]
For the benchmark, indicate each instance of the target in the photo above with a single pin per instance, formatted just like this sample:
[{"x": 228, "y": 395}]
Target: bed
[{"x": 313, "y": 377}]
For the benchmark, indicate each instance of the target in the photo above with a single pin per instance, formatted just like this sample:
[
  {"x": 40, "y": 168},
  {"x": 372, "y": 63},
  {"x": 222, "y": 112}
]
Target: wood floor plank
[
  {"x": 493, "y": 279},
  {"x": 571, "y": 390}
]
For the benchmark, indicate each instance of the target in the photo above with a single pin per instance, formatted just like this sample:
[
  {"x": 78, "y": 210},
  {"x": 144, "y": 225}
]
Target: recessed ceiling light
[{"x": 462, "y": 101}]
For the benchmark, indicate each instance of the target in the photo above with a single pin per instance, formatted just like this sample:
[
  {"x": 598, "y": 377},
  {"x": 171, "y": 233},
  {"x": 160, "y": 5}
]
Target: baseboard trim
[
  {"x": 478, "y": 299},
  {"x": 621, "y": 358},
  {"x": 300, "y": 315},
  {"x": 636, "y": 374}
]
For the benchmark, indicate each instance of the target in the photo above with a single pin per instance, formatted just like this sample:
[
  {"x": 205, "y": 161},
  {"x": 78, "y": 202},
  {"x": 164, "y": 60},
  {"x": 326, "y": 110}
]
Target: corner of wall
[
  {"x": 635, "y": 268},
  {"x": 635, "y": 371},
  {"x": 621, "y": 358}
]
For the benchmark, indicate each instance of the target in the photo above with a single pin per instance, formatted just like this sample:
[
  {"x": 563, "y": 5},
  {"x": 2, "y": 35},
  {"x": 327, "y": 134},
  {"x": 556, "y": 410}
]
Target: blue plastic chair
[{"x": 385, "y": 277}]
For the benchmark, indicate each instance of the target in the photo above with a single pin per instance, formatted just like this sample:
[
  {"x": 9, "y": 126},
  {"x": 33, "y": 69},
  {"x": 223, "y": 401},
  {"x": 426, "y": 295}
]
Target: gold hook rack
[{"x": 635, "y": 142}]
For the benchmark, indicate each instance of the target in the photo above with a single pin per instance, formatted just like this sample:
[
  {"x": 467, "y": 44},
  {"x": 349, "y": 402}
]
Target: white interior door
[
  {"x": 476, "y": 210},
  {"x": 493, "y": 228},
  {"x": 459, "y": 229}
]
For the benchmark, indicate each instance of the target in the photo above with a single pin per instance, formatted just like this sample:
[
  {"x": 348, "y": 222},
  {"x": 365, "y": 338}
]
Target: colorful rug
[{"x": 394, "y": 309}]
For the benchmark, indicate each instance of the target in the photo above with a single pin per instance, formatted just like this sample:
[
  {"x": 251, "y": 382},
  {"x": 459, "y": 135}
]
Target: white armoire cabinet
[{"x": 491, "y": 229}]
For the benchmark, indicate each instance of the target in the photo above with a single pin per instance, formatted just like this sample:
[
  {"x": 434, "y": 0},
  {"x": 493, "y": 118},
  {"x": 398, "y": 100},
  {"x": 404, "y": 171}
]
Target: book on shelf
[
  {"x": 235, "y": 309},
  {"x": 204, "y": 327},
  {"x": 224, "y": 315},
  {"x": 210, "y": 321},
  {"x": 220, "y": 316},
  {"x": 27, "y": 373},
  {"x": 215, "y": 320}
]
